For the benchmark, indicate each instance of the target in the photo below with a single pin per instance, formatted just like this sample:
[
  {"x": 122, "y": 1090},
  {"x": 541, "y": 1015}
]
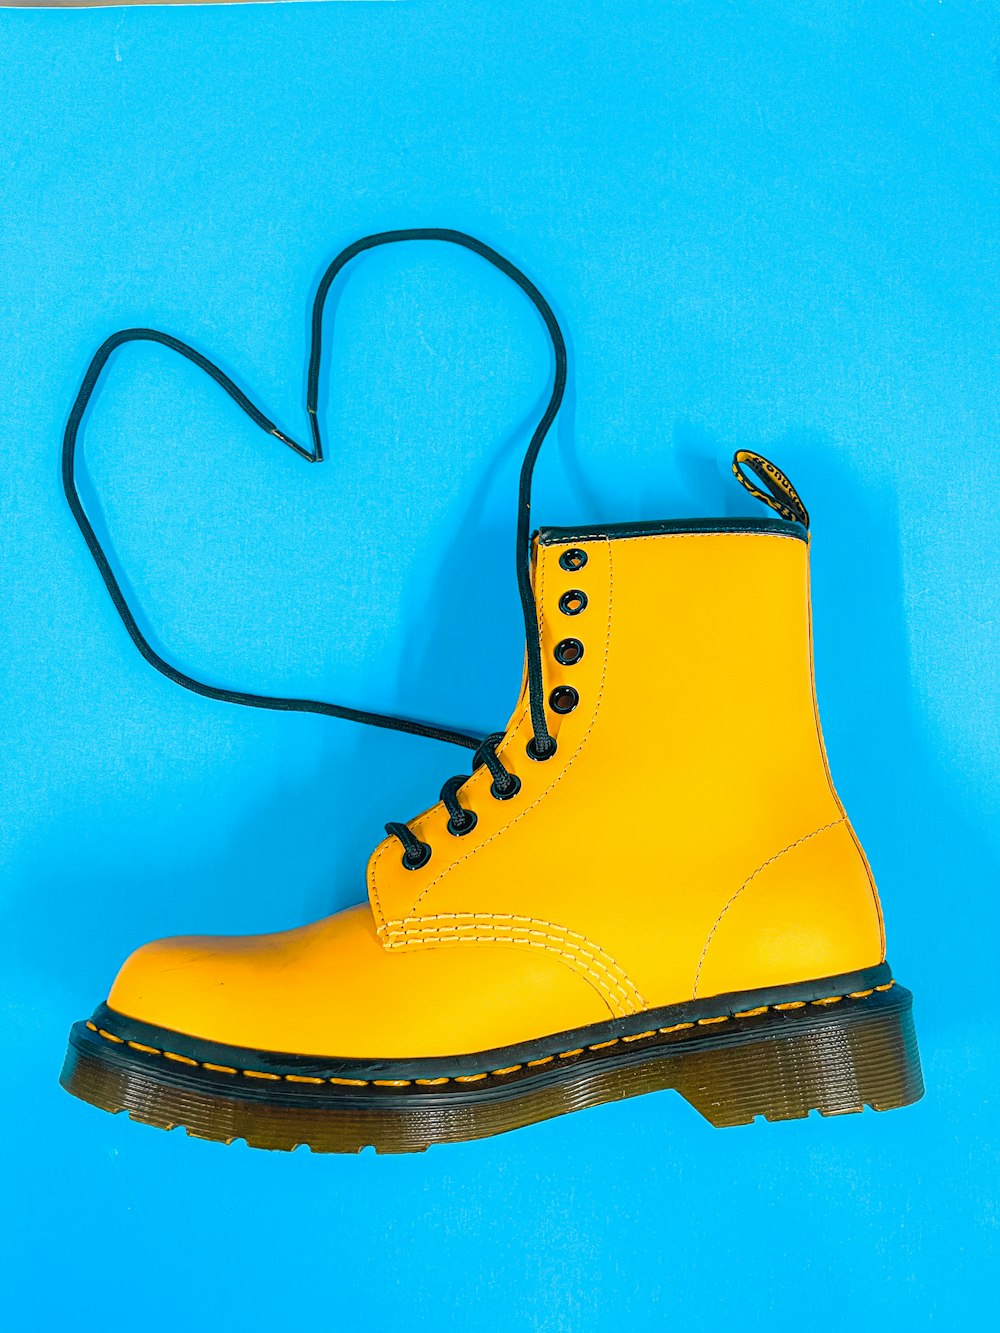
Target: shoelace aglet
[{"x": 309, "y": 455}]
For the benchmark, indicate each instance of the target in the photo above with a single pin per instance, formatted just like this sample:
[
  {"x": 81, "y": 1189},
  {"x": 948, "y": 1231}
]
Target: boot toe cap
[{"x": 183, "y": 984}]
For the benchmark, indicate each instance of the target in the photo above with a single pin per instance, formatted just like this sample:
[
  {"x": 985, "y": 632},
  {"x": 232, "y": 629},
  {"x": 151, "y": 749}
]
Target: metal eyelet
[
  {"x": 568, "y": 652},
  {"x": 532, "y": 751},
  {"x": 510, "y": 792},
  {"x": 563, "y": 699},
  {"x": 573, "y": 559},
  {"x": 573, "y": 602},
  {"x": 467, "y": 825},
  {"x": 424, "y": 856}
]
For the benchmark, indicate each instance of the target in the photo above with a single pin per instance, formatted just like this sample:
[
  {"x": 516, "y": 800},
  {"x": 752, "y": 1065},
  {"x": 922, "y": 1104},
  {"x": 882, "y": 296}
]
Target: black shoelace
[{"x": 542, "y": 746}]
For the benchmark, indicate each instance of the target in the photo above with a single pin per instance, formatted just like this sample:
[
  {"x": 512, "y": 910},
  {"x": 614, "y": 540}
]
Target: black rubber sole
[{"x": 777, "y": 1054}]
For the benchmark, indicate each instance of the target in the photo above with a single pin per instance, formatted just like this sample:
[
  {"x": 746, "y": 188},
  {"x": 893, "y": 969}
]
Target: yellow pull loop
[{"x": 780, "y": 494}]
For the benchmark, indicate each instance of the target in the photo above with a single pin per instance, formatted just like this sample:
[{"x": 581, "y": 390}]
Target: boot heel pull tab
[{"x": 781, "y": 495}]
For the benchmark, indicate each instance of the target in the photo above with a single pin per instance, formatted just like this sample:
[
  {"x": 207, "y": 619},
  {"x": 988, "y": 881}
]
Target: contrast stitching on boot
[
  {"x": 566, "y": 767},
  {"x": 746, "y": 884},
  {"x": 490, "y": 927},
  {"x": 618, "y": 1006},
  {"x": 507, "y": 1069}
]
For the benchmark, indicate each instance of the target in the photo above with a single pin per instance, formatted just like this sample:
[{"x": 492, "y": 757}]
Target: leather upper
[{"x": 684, "y": 840}]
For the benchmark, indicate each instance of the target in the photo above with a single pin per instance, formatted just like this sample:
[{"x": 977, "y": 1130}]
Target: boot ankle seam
[{"x": 842, "y": 819}]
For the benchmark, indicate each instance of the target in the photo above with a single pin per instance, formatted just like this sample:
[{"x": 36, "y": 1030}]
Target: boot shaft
[{"x": 685, "y": 838}]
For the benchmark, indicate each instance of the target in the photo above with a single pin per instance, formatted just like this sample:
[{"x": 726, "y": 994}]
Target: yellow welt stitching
[{"x": 496, "y": 1073}]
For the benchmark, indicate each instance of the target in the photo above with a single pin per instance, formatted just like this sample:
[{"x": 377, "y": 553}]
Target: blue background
[{"x": 761, "y": 225}]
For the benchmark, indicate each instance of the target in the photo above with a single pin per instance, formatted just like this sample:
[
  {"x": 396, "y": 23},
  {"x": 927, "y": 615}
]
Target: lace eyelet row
[
  {"x": 563, "y": 699},
  {"x": 569, "y": 651}
]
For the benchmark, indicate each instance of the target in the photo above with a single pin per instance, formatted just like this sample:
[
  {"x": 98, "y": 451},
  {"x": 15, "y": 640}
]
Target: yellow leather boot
[{"x": 640, "y": 886}]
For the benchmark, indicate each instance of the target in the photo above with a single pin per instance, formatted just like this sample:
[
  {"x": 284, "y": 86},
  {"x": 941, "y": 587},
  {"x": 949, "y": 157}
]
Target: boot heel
[{"x": 833, "y": 1060}]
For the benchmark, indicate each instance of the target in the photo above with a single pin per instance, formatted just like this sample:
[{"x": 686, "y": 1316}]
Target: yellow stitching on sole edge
[{"x": 496, "y": 1073}]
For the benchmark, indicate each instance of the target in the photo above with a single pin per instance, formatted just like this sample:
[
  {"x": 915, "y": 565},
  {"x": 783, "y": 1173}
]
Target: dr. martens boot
[{"x": 647, "y": 882}]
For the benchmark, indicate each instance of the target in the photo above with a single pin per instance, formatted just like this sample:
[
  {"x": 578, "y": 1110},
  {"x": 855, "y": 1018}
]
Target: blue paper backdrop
[{"x": 762, "y": 225}]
